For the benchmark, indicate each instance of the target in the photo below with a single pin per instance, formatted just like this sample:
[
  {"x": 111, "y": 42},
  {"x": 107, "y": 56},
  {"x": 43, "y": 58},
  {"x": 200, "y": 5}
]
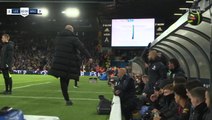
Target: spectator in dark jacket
[
  {"x": 66, "y": 63},
  {"x": 157, "y": 99},
  {"x": 169, "y": 110},
  {"x": 125, "y": 89},
  {"x": 146, "y": 92},
  {"x": 157, "y": 71},
  {"x": 179, "y": 80},
  {"x": 191, "y": 84},
  {"x": 208, "y": 96},
  {"x": 139, "y": 84},
  {"x": 198, "y": 102},
  {"x": 7, "y": 52},
  {"x": 174, "y": 69},
  {"x": 182, "y": 100}
]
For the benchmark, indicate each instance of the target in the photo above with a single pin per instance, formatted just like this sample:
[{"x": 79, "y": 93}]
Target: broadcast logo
[{"x": 24, "y": 11}]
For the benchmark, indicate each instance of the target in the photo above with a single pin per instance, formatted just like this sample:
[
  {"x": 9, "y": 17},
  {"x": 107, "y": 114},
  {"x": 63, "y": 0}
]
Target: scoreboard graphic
[{"x": 24, "y": 11}]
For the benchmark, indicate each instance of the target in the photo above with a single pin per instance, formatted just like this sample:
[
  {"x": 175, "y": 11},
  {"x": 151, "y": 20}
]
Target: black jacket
[
  {"x": 66, "y": 61},
  {"x": 126, "y": 87},
  {"x": 157, "y": 72},
  {"x": 198, "y": 112},
  {"x": 169, "y": 110},
  {"x": 177, "y": 72},
  {"x": 184, "y": 113},
  {"x": 159, "y": 103},
  {"x": 208, "y": 115},
  {"x": 127, "y": 96},
  {"x": 7, "y": 52}
]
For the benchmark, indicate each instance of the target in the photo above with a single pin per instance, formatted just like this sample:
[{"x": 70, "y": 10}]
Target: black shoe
[
  {"x": 6, "y": 93},
  {"x": 69, "y": 103}
]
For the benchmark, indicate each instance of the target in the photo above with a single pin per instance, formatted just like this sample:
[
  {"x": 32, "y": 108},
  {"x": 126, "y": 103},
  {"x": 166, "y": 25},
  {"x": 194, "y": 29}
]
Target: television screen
[{"x": 132, "y": 32}]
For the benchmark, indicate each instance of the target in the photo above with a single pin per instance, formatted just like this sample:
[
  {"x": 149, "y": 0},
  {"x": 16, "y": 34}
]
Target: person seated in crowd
[
  {"x": 174, "y": 69},
  {"x": 183, "y": 102},
  {"x": 179, "y": 80},
  {"x": 144, "y": 97},
  {"x": 208, "y": 97},
  {"x": 169, "y": 109},
  {"x": 157, "y": 98},
  {"x": 197, "y": 96},
  {"x": 146, "y": 91},
  {"x": 125, "y": 89},
  {"x": 139, "y": 84},
  {"x": 191, "y": 84},
  {"x": 154, "y": 101}
]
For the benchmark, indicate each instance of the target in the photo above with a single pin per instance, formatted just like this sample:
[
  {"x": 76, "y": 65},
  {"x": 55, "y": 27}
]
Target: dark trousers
[
  {"x": 7, "y": 80},
  {"x": 64, "y": 82},
  {"x": 127, "y": 107},
  {"x": 75, "y": 82}
]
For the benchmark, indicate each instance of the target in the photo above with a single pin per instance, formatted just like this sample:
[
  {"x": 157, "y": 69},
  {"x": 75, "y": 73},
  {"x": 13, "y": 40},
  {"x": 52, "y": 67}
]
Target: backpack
[
  {"x": 104, "y": 106},
  {"x": 9, "y": 113}
]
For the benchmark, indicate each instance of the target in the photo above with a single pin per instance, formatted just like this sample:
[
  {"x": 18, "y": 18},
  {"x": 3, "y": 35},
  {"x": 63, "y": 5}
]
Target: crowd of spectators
[
  {"x": 163, "y": 93},
  {"x": 33, "y": 52}
]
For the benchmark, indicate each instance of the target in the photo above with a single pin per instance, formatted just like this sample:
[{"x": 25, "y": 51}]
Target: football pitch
[{"x": 41, "y": 95}]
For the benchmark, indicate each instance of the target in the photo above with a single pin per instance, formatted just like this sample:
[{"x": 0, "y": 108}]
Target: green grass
[{"x": 41, "y": 95}]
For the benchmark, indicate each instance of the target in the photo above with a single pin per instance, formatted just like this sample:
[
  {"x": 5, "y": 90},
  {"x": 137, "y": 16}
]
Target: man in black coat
[
  {"x": 125, "y": 89},
  {"x": 208, "y": 96},
  {"x": 66, "y": 62},
  {"x": 157, "y": 71},
  {"x": 198, "y": 103},
  {"x": 175, "y": 70},
  {"x": 6, "y": 62}
]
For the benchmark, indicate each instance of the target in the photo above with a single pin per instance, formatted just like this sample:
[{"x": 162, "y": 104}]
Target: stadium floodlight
[
  {"x": 71, "y": 12},
  {"x": 43, "y": 12}
]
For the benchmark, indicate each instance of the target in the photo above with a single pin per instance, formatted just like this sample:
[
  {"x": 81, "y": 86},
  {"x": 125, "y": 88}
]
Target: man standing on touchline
[
  {"x": 66, "y": 63},
  {"x": 7, "y": 52}
]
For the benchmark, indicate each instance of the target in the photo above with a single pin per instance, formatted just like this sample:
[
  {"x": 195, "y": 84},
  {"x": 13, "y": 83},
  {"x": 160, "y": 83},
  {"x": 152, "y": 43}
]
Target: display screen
[{"x": 132, "y": 32}]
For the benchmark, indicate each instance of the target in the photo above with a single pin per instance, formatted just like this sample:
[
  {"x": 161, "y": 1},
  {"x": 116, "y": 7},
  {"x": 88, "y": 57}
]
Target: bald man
[
  {"x": 125, "y": 89},
  {"x": 69, "y": 27},
  {"x": 66, "y": 59}
]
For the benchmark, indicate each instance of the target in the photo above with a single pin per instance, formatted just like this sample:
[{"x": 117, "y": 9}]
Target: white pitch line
[
  {"x": 25, "y": 82},
  {"x": 50, "y": 98},
  {"x": 28, "y": 81},
  {"x": 84, "y": 92},
  {"x": 30, "y": 85}
]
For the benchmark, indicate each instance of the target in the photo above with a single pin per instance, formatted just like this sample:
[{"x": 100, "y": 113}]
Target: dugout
[{"x": 190, "y": 44}]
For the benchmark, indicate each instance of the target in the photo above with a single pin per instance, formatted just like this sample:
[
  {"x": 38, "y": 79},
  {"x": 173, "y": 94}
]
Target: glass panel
[
  {"x": 203, "y": 27},
  {"x": 203, "y": 64},
  {"x": 192, "y": 68},
  {"x": 202, "y": 42}
]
